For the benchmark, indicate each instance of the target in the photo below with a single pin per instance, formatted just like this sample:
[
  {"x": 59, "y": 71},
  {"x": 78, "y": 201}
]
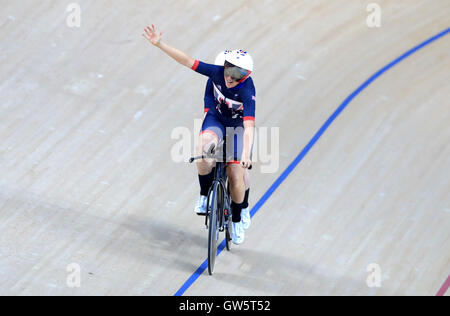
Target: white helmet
[
  {"x": 220, "y": 59},
  {"x": 237, "y": 57}
]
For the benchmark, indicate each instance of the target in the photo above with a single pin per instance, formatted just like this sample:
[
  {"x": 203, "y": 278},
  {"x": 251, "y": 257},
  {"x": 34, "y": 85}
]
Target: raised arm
[{"x": 154, "y": 38}]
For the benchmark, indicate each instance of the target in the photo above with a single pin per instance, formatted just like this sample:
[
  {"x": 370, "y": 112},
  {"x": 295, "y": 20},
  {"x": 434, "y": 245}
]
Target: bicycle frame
[{"x": 221, "y": 178}]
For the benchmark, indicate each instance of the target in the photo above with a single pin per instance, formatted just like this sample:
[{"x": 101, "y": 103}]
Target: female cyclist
[{"x": 233, "y": 109}]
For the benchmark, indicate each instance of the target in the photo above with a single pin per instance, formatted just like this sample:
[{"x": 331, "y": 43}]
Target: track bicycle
[{"x": 218, "y": 217}]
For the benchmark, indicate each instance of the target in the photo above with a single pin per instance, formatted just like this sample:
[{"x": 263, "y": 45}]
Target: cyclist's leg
[
  {"x": 247, "y": 187},
  {"x": 235, "y": 174},
  {"x": 212, "y": 132},
  {"x": 246, "y": 178},
  {"x": 235, "y": 171},
  {"x": 205, "y": 140}
]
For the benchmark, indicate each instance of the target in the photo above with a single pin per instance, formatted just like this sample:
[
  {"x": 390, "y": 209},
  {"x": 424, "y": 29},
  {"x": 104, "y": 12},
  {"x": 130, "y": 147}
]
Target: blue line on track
[{"x": 305, "y": 150}]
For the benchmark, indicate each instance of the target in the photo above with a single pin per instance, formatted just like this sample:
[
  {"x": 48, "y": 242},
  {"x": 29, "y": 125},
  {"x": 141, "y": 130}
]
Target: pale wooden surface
[{"x": 85, "y": 141}]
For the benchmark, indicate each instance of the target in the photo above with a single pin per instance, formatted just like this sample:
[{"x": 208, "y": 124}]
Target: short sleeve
[{"x": 205, "y": 69}]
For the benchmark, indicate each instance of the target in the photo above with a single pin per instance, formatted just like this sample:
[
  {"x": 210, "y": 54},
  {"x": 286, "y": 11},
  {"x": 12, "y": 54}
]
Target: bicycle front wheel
[{"x": 214, "y": 205}]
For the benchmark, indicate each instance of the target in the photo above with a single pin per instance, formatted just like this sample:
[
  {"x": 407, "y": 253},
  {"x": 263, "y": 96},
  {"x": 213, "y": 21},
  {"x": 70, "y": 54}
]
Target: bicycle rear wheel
[{"x": 214, "y": 205}]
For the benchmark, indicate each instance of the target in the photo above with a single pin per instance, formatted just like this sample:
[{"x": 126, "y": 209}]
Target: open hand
[{"x": 152, "y": 35}]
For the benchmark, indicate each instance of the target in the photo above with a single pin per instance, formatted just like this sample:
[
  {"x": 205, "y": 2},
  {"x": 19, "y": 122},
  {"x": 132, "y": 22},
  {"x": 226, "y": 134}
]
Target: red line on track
[{"x": 444, "y": 287}]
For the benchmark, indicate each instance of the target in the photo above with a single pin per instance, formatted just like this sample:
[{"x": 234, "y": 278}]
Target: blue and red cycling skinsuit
[{"x": 225, "y": 107}]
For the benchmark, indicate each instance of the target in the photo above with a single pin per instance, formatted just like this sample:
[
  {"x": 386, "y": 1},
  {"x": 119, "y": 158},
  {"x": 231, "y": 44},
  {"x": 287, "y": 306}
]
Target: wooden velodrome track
[{"x": 87, "y": 174}]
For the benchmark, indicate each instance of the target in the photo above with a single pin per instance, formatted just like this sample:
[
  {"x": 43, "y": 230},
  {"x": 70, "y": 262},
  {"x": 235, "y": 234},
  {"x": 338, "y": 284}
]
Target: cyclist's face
[{"x": 230, "y": 82}]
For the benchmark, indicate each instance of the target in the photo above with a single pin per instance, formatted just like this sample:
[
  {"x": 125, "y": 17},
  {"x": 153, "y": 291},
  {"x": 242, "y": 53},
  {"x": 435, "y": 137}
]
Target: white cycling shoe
[
  {"x": 245, "y": 218},
  {"x": 238, "y": 233},
  {"x": 200, "y": 207}
]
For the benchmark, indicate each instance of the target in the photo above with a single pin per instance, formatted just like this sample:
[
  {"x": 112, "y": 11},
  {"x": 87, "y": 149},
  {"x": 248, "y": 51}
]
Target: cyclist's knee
[
  {"x": 205, "y": 142},
  {"x": 235, "y": 174}
]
